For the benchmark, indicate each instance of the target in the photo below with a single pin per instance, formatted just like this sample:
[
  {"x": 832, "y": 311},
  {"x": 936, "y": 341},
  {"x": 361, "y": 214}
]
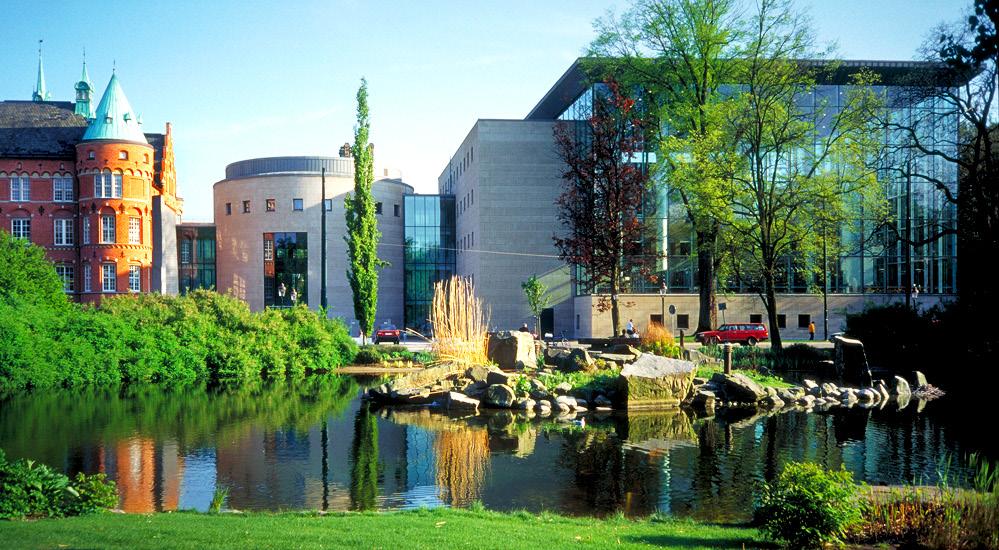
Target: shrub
[
  {"x": 658, "y": 341},
  {"x": 807, "y": 505},
  {"x": 368, "y": 356},
  {"x": 30, "y": 489}
]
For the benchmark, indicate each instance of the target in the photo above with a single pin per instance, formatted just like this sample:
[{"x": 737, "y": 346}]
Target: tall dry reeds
[{"x": 460, "y": 323}]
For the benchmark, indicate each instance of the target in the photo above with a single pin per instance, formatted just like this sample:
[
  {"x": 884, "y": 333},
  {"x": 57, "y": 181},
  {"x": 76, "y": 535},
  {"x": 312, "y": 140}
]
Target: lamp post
[
  {"x": 662, "y": 305},
  {"x": 322, "y": 253}
]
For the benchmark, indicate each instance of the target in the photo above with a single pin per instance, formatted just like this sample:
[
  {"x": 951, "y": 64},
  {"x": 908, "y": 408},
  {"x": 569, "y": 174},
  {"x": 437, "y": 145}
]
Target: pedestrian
[
  {"x": 294, "y": 296},
  {"x": 630, "y": 328},
  {"x": 811, "y": 330},
  {"x": 523, "y": 328}
]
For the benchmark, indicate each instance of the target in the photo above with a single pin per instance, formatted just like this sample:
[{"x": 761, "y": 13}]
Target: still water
[{"x": 318, "y": 446}]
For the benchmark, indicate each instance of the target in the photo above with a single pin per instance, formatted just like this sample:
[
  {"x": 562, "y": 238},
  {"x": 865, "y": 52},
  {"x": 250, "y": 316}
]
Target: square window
[
  {"x": 228, "y": 209},
  {"x": 755, "y": 318},
  {"x": 122, "y": 155},
  {"x": 781, "y": 320},
  {"x": 297, "y": 205},
  {"x": 683, "y": 321},
  {"x": 20, "y": 189},
  {"x": 246, "y": 207},
  {"x": 271, "y": 205},
  {"x": 21, "y": 228},
  {"x": 91, "y": 155},
  {"x": 65, "y": 273},
  {"x": 63, "y": 234},
  {"x": 804, "y": 321}
]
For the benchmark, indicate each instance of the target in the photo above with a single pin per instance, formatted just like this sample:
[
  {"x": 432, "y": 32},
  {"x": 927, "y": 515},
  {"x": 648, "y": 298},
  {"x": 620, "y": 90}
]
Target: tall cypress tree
[{"x": 362, "y": 228}]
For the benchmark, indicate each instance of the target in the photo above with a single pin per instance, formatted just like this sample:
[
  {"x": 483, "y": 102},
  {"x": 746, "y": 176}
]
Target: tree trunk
[
  {"x": 707, "y": 318},
  {"x": 770, "y": 302},
  {"x": 615, "y": 313}
]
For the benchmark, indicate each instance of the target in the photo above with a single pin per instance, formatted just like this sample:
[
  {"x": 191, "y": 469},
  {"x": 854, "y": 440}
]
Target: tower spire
[
  {"x": 40, "y": 93},
  {"x": 84, "y": 89}
]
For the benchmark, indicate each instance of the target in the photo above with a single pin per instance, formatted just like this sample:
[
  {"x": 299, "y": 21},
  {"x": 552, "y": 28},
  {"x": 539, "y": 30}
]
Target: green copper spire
[
  {"x": 40, "y": 93},
  {"x": 114, "y": 118},
  {"x": 84, "y": 91}
]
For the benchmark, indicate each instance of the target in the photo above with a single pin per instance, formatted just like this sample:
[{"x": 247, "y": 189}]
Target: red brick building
[{"x": 91, "y": 188}]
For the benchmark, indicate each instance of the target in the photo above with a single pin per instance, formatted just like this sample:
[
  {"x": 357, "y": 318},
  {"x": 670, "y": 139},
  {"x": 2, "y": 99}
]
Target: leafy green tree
[
  {"x": 680, "y": 52},
  {"x": 537, "y": 298},
  {"x": 798, "y": 169},
  {"x": 27, "y": 276},
  {"x": 362, "y": 226}
]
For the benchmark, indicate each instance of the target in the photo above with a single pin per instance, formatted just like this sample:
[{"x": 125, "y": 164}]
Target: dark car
[
  {"x": 388, "y": 333},
  {"x": 744, "y": 333}
]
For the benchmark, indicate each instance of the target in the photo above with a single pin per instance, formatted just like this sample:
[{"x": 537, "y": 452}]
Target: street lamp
[{"x": 662, "y": 298}]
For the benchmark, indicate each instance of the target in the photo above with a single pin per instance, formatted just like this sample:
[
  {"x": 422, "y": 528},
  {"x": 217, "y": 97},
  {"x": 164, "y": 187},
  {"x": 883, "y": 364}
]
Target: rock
[
  {"x": 806, "y": 400},
  {"x": 426, "y": 377},
  {"x": 770, "y": 391},
  {"x": 901, "y": 388},
  {"x": 576, "y": 360},
  {"x": 867, "y": 395},
  {"x": 524, "y": 404},
  {"x": 848, "y": 398},
  {"x": 625, "y": 349},
  {"x": 543, "y": 404},
  {"x": 882, "y": 390},
  {"x": 500, "y": 395},
  {"x": 851, "y": 361},
  {"x": 602, "y": 401},
  {"x": 380, "y": 393},
  {"x": 504, "y": 378},
  {"x": 538, "y": 385},
  {"x": 512, "y": 350},
  {"x": 455, "y": 401},
  {"x": 479, "y": 373},
  {"x": 617, "y": 358},
  {"x": 539, "y": 394},
  {"x": 653, "y": 381},
  {"x": 475, "y": 389},
  {"x": 581, "y": 404},
  {"x": 738, "y": 387},
  {"x": 704, "y": 400},
  {"x": 809, "y": 385},
  {"x": 415, "y": 396},
  {"x": 563, "y": 389},
  {"x": 786, "y": 394},
  {"x": 772, "y": 402},
  {"x": 563, "y": 408},
  {"x": 920, "y": 379}
]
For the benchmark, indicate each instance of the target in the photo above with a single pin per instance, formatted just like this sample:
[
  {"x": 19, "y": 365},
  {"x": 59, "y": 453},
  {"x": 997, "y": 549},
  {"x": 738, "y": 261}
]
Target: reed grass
[
  {"x": 460, "y": 323},
  {"x": 462, "y": 460}
]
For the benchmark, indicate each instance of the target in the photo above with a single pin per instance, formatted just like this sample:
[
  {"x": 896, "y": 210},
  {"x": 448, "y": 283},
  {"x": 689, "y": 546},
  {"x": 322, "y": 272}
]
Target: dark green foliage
[
  {"x": 808, "y": 505},
  {"x": 895, "y": 335},
  {"x": 26, "y": 276},
  {"x": 30, "y": 489},
  {"x": 793, "y": 357},
  {"x": 374, "y": 354},
  {"x": 362, "y": 227},
  {"x": 368, "y": 356},
  {"x": 167, "y": 340},
  {"x": 364, "y": 461}
]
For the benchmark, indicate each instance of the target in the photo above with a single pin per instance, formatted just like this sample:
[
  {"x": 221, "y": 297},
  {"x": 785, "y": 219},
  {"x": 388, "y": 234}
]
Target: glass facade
[
  {"x": 197, "y": 257},
  {"x": 872, "y": 260},
  {"x": 429, "y": 222},
  {"x": 286, "y": 274}
]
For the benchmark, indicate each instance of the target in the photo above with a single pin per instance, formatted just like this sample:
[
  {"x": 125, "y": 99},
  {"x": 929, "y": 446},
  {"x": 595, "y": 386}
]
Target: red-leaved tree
[{"x": 604, "y": 196}]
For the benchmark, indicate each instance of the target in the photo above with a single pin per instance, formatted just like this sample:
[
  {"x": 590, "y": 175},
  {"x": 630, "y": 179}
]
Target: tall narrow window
[
  {"x": 378, "y": 208},
  {"x": 268, "y": 250},
  {"x": 271, "y": 205},
  {"x": 134, "y": 278},
  {"x": 62, "y": 189},
  {"x": 65, "y": 273},
  {"x": 21, "y": 228},
  {"x": 117, "y": 185},
  {"x": 134, "y": 230},
  {"x": 107, "y": 228},
  {"x": 63, "y": 232},
  {"x": 246, "y": 207},
  {"x": 185, "y": 251},
  {"x": 108, "y": 281},
  {"x": 87, "y": 278},
  {"x": 228, "y": 209},
  {"x": 20, "y": 189},
  {"x": 85, "y": 222}
]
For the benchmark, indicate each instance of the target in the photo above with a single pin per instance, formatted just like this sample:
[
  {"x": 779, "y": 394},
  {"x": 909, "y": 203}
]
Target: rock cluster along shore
[{"x": 735, "y": 390}]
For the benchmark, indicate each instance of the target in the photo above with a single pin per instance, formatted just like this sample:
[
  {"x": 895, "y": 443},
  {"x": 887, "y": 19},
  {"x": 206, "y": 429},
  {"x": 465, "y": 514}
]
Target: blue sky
[{"x": 242, "y": 79}]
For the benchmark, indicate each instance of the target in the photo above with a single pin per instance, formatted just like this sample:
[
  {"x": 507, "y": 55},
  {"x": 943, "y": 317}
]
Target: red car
[
  {"x": 744, "y": 333},
  {"x": 388, "y": 333}
]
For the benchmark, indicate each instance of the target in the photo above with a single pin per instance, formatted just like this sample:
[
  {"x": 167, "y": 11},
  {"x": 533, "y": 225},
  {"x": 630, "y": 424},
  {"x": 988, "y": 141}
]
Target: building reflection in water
[{"x": 148, "y": 474}]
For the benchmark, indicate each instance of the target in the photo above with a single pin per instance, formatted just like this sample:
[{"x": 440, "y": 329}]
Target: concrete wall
[
  {"x": 240, "y": 237},
  {"x": 165, "y": 272},
  {"x": 511, "y": 169},
  {"x": 641, "y": 307}
]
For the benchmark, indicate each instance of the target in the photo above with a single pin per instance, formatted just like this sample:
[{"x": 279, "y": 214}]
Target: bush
[
  {"x": 807, "y": 505},
  {"x": 30, "y": 489},
  {"x": 368, "y": 356},
  {"x": 658, "y": 341}
]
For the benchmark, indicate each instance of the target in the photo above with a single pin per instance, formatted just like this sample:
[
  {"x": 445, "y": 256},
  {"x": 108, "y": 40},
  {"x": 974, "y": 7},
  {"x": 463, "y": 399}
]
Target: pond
[{"x": 317, "y": 445}]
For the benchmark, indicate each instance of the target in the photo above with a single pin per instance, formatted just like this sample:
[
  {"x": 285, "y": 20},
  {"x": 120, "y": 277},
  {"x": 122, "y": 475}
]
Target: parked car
[
  {"x": 387, "y": 333},
  {"x": 744, "y": 333}
]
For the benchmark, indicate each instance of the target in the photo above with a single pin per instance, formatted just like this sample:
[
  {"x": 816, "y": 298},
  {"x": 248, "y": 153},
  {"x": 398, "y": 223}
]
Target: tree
[
  {"x": 959, "y": 88},
  {"x": 537, "y": 298},
  {"x": 604, "y": 201},
  {"x": 680, "y": 52},
  {"x": 362, "y": 227},
  {"x": 799, "y": 168},
  {"x": 27, "y": 277}
]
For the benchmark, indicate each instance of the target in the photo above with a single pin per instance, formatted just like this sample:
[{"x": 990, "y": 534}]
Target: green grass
[
  {"x": 707, "y": 371},
  {"x": 601, "y": 380},
  {"x": 439, "y": 528}
]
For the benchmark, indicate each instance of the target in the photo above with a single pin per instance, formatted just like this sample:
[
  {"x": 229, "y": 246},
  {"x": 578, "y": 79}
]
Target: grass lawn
[
  {"x": 706, "y": 371},
  {"x": 438, "y": 528}
]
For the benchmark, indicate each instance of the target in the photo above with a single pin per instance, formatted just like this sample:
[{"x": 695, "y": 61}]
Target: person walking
[
  {"x": 630, "y": 328},
  {"x": 811, "y": 330}
]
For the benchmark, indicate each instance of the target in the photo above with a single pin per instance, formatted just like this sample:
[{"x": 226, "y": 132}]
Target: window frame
[
  {"x": 23, "y": 187},
  {"x": 134, "y": 230},
  {"x": 105, "y": 279},
  {"x": 63, "y": 227},
  {"x": 298, "y": 205},
  {"x": 134, "y": 278},
  {"x": 62, "y": 189},
  {"x": 66, "y": 274},
  {"x": 270, "y": 205},
  {"x": 26, "y": 229},
  {"x": 113, "y": 226}
]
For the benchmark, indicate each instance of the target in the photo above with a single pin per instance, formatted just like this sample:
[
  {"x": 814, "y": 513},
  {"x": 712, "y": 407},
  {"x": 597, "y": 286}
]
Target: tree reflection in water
[{"x": 364, "y": 461}]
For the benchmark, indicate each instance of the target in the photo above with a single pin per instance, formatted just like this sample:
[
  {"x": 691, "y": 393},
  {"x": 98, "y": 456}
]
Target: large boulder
[
  {"x": 576, "y": 360},
  {"x": 512, "y": 350},
  {"x": 426, "y": 377},
  {"x": 500, "y": 395},
  {"x": 656, "y": 382},
  {"x": 851, "y": 362},
  {"x": 500, "y": 377},
  {"x": 901, "y": 388},
  {"x": 920, "y": 379},
  {"x": 738, "y": 387},
  {"x": 454, "y": 401},
  {"x": 479, "y": 373}
]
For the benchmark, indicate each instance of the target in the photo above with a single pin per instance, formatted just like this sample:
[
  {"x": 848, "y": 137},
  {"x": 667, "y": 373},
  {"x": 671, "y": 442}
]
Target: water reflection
[{"x": 317, "y": 446}]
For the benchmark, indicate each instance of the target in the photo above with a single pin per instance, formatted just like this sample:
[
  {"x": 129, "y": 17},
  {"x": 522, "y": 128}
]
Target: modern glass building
[
  {"x": 429, "y": 222},
  {"x": 286, "y": 269},
  {"x": 196, "y": 255},
  {"x": 873, "y": 259}
]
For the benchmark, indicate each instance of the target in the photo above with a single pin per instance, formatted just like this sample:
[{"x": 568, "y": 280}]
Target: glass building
[
  {"x": 286, "y": 269},
  {"x": 196, "y": 255},
  {"x": 872, "y": 259},
  {"x": 429, "y": 253}
]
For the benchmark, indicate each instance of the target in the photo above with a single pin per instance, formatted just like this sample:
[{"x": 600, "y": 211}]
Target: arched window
[{"x": 122, "y": 155}]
